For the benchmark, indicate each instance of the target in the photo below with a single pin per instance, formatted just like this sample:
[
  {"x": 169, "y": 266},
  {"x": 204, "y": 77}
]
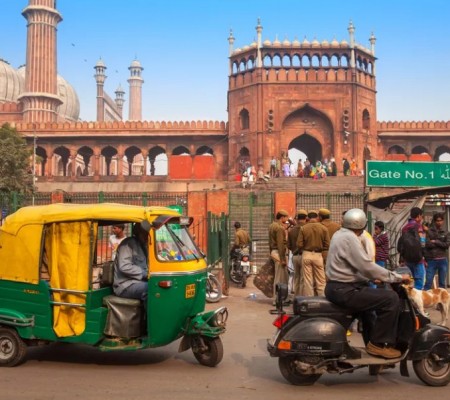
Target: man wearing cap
[
  {"x": 277, "y": 245},
  {"x": 292, "y": 246},
  {"x": 333, "y": 227},
  {"x": 313, "y": 239}
]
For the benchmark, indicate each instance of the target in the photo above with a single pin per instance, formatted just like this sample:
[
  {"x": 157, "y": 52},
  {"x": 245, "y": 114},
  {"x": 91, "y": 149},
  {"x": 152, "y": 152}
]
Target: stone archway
[
  {"x": 307, "y": 145},
  {"x": 311, "y": 132}
]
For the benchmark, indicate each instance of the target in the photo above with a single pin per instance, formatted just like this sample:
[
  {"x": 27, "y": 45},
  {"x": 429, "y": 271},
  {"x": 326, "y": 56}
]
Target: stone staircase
[{"x": 331, "y": 184}]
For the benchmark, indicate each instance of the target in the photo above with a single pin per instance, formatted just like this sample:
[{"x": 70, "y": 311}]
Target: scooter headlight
[{"x": 219, "y": 317}]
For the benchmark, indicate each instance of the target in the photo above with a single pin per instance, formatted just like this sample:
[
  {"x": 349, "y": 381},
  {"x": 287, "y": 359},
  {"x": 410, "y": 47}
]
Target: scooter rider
[
  {"x": 241, "y": 239},
  {"x": 349, "y": 270}
]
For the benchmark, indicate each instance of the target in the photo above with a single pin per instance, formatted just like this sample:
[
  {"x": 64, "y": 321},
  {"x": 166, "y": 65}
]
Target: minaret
[
  {"x": 372, "y": 41},
  {"x": 259, "y": 29},
  {"x": 135, "y": 81},
  {"x": 351, "y": 31},
  {"x": 40, "y": 99},
  {"x": 120, "y": 99},
  {"x": 100, "y": 78},
  {"x": 230, "y": 50}
]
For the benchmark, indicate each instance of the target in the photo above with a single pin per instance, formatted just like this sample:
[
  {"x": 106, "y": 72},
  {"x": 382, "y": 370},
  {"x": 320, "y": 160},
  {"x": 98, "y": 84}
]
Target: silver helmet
[{"x": 354, "y": 219}]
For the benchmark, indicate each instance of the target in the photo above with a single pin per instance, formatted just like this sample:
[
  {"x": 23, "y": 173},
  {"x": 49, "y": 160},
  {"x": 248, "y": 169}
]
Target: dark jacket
[{"x": 437, "y": 243}]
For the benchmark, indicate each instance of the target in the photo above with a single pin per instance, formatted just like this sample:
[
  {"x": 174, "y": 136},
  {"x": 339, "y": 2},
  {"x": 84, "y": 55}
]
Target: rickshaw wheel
[
  {"x": 208, "y": 351},
  {"x": 12, "y": 348}
]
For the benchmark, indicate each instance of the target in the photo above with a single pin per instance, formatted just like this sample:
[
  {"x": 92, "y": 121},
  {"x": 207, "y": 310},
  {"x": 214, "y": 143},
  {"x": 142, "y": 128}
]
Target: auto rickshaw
[{"x": 56, "y": 277}]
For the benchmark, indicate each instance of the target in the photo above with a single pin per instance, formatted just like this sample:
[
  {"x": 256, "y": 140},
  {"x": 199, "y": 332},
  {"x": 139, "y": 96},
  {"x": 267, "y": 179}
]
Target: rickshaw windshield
[{"x": 173, "y": 243}]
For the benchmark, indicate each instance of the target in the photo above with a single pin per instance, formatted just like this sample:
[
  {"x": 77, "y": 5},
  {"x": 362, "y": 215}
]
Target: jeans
[
  {"x": 441, "y": 267},
  {"x": 418, "y": 274}
]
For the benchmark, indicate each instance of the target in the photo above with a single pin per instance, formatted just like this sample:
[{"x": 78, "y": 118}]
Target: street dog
[{"x": 438, "y": 298}]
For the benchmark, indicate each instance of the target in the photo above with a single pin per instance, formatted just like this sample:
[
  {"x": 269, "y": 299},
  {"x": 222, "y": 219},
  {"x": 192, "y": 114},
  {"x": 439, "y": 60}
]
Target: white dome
[
  {"x": 69, "y": 110},
  {"x": 11, "y": 83}
]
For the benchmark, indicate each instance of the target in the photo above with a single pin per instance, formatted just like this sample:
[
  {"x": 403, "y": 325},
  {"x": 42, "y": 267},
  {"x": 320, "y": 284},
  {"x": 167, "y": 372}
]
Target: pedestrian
[
  {"x": 277, "y": 246},
  {"x": 313, "y": 239},
  {"x": 436, "y": 251},
  {"x": 381, "y": 240},
  {"x": 293, "y": 247},
  {"x": 116, "y": 238},
  {"x": 273, "y": 167},
  {"x": 346, "y": 167},
  {"x": 411, "y": 242}
]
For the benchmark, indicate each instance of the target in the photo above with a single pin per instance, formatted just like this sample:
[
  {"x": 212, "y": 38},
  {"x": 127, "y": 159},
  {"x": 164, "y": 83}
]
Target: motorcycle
[
  {"x": 240, "y": 266},
  {"x": 312, "y": 340},
  {"x": 213, "y": 288}
]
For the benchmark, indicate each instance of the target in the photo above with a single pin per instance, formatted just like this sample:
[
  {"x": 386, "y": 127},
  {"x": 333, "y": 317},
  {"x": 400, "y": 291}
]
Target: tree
[{"x": 15, "y": 175}]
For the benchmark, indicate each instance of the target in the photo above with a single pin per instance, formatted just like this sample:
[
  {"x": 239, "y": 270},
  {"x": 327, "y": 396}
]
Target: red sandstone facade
[{"x": 317, "y": 97}]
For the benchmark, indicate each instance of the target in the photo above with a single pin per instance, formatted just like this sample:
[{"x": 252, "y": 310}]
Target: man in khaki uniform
[
  {"x": 333, "y": 227},
  {"x": 313, "y": 239},
  {"x": 277, "y": 245},
  {"x": 292, "y": 246}
]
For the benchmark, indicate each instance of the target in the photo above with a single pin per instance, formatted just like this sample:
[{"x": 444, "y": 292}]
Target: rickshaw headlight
[{"x": 219, "y": 317}]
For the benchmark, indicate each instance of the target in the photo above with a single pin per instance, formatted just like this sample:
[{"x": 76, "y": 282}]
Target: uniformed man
[
  {"x": 292, "y": 246},
  {"x": 241, "y": 240},
  {"x": 333, "y": 227},
  {"x": 313, "y": 240},
  {"x": 277, "y": 245}
]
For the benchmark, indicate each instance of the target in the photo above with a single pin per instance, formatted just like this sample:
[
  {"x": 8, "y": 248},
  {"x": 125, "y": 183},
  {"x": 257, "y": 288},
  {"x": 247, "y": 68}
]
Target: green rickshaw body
[{"x": 53, "y": 263}]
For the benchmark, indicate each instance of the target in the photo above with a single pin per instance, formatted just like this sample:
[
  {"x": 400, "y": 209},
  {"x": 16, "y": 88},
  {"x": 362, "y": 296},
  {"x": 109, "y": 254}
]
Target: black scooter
[
  {"x": 312, "y": 340},
  {"x": 240, "y": 266}
]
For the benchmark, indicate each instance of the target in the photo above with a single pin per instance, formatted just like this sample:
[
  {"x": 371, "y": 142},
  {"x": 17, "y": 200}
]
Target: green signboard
[{"x": 407, "y": 173}]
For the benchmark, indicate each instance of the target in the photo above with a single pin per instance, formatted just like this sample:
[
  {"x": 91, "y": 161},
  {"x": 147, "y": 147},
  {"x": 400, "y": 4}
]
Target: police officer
[
  {"x": 313, "y": 239},
  {"x": 292, "y": 246},
  {"x": 277, "y": 245}
]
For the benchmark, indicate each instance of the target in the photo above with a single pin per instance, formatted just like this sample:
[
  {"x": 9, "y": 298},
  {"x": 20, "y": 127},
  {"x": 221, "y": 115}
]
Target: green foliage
[{"x": 15, "y": 169}]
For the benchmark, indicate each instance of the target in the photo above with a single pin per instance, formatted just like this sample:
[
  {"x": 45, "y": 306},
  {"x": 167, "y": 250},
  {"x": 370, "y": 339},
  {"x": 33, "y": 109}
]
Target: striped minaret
[{"x": 40, "y": 99}]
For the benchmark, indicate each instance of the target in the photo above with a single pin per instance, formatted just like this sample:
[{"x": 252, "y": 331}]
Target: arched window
[
  {"x": 396, "y": 150},
  {"x": 244, "y": 119},
  {"x": 366, "y": 120},
  {"x": 181, "y": 151}
]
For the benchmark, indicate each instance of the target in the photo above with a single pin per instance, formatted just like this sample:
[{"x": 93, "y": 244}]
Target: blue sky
[{"x": 183, "y": 48}]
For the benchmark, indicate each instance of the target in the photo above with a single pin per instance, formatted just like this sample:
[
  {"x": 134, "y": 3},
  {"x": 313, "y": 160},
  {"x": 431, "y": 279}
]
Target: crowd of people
[
  {"x": 315, "y": 256},
  {"x": 284, "y": 167}
]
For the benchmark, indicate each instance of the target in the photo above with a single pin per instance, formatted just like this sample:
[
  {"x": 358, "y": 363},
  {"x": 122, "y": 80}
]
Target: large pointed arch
[{"x": 310, "y": 131}]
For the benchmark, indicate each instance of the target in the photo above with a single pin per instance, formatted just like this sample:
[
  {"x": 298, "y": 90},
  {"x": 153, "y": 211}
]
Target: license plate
[{"x": 190, "y": 291}]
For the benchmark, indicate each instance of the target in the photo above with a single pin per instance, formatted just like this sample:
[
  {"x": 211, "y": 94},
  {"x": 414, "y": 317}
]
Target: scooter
[
  {"x": 312, "y": 340},
  {"x": 240, "y": 266}
]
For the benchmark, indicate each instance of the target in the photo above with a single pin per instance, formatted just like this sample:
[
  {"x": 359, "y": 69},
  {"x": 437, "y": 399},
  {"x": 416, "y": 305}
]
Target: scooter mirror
[{"x": 281, "y": 290}]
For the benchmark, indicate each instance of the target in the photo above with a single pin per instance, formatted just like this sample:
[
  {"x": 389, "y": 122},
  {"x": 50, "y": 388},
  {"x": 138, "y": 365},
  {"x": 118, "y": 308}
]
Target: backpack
[{"x": 409, "y": 246}]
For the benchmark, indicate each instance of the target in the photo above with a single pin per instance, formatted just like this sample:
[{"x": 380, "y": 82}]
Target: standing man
[
  {"x": 131, "y": 266},
  {"x": 273, "y": 167},
  {"x": 414, "y": 225},
  {"x": 436, "y": 250},
  {"x": 313, "y": 240},
  {"x": 296, "y": 256},
  {"x": 277, "y": 245},
  {"x": 381, "y": 240},
  {"x": 116, "y": 238},
  {"x": 332, "y": 227}
]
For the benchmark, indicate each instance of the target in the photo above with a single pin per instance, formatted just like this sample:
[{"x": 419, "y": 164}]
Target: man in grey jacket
[
  {"x": 349, "y": 270},
  {"x": 131, "y": 265}
]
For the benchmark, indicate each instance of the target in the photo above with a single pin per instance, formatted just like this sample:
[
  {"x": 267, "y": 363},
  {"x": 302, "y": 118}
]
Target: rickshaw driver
[{"x": 131, "y": 267}]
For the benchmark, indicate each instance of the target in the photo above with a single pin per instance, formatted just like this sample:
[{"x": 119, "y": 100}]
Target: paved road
[{"x": 246, "y": 372}]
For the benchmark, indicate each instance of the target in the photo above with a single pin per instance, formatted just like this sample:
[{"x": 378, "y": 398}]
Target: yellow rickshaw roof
[{"x": 40, "y": 215}]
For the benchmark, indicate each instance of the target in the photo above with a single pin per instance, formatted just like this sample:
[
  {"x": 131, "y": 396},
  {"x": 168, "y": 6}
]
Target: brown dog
[{"x": 438, "y": 298}]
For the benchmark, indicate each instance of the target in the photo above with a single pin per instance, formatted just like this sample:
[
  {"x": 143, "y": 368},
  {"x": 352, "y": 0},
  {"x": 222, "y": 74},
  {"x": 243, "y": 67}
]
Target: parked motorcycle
[
  {"x": 312, "y": 340},
  {"x": 213, "y": 288},
  {"x": 240, "y": 266}
]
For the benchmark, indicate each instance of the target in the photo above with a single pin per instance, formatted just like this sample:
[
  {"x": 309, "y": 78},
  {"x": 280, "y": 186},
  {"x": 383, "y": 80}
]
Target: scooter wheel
[
  {"x": 431, "y": 371},
  {"x": 12, "y": 348},
  {"x": 289, "y": 371}
]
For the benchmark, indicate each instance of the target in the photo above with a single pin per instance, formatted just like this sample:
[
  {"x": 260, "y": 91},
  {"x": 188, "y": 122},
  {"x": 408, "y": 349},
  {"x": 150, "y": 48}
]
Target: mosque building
[{"x": 315, "y": 97}]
